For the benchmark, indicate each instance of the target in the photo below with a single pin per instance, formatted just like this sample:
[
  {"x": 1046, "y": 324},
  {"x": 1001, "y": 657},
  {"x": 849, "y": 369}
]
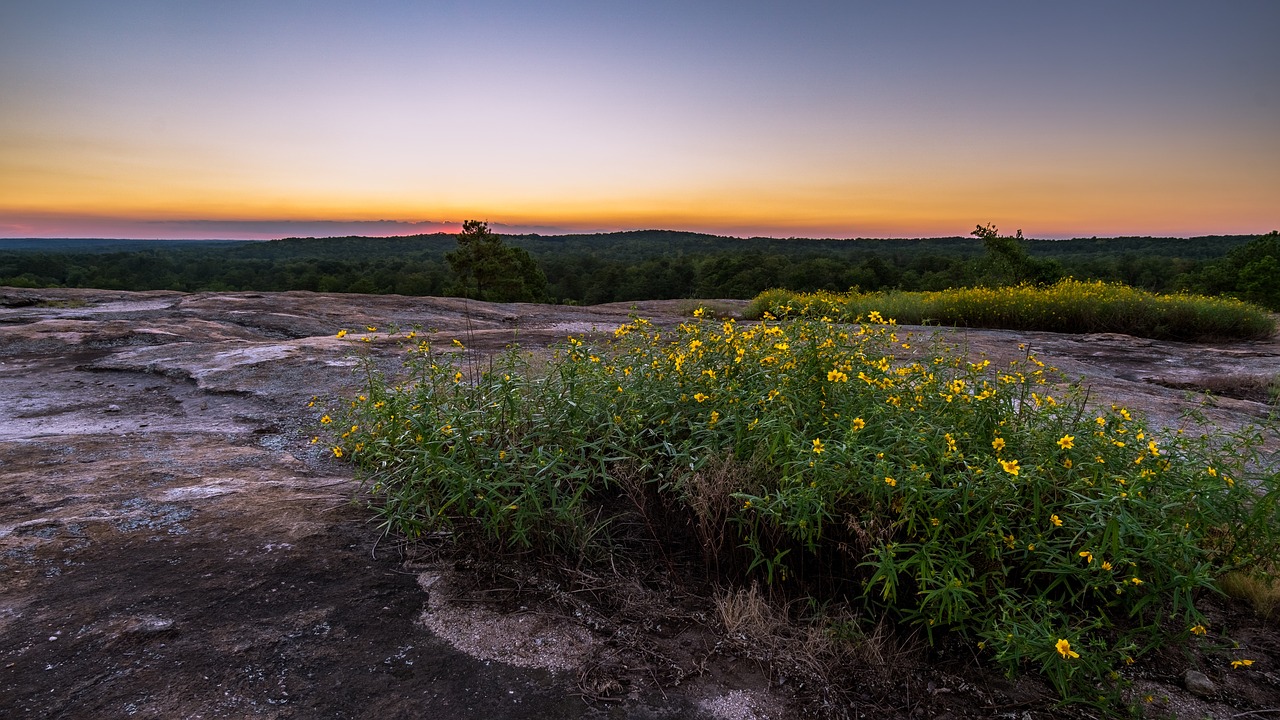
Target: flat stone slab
[{"x": 172, "y": 544}]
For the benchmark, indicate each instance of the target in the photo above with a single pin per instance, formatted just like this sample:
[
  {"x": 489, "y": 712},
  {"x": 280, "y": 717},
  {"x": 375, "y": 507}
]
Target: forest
[{"x": 645, "y": 264}]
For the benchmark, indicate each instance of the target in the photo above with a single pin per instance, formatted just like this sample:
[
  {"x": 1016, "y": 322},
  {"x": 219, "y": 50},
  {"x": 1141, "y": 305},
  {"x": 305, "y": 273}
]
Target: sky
[{"x": 261, "y": 118}]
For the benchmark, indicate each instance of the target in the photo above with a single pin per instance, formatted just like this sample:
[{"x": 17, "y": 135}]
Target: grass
[
  {"x": 1260, "y": 590},
  {"x": 709, "y": 308},
  {"x": 1068, "y": 306},
  {"x": 836, "y": 464}
]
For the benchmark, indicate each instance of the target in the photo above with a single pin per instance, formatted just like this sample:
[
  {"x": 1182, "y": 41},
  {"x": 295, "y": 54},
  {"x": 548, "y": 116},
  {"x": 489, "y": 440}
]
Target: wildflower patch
[
  {"x": 843, "y": 462},
  {"x": 1070, "y": 306}
]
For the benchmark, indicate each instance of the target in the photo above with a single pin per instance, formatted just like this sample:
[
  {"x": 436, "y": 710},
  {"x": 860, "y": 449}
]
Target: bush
[
  {"x": 838, "y": 462},
  {"x": 1068, "y": 306}
]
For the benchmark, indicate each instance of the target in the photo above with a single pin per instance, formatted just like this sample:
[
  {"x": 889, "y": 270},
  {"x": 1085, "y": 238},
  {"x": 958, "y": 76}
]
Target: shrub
[
  {"x": 840, "y": 462},
  {"x": 1069, "y": 306}
]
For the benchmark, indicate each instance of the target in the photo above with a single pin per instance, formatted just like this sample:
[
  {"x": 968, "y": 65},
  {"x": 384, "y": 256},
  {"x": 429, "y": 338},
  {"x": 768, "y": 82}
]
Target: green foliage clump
[
  {"x": 1251, "y": 273},
  {"x": 840, "y": 462},
  {"x": 1068, "y": 306},
  {"x": 1008, "y": 263},
  {"x": 486, "y": 269}
]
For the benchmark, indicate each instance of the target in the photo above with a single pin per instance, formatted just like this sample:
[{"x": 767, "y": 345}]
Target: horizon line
[{"x": 565, "y": 232}]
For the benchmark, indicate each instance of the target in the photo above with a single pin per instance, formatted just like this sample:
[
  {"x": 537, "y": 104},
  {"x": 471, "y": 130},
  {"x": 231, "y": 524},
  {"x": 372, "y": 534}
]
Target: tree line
[{"x": 640, "y": 265}]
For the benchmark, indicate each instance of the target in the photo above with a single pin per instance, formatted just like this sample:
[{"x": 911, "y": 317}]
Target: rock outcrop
[{"x": 172, "y": 544}]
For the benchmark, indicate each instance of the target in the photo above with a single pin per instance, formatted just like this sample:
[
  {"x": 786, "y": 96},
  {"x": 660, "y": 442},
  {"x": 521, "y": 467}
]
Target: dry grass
[
  {"x": 709, "y": 494},
  {"x": 1261, "y": 594},
  {"x": 824, "y": 652},
  {"x": 748, "y": 615}
]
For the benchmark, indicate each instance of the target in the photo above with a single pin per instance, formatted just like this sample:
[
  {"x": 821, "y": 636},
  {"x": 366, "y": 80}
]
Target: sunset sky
[{"x": 821, "y": 119}]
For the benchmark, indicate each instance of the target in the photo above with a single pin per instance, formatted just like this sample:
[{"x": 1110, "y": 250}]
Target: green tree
[
  {"x": 487, "y": 269},
  {"x": 1260, "y": 282},
  {"x": 1250, "y": 272},
  {"x": 1007, "y": 261}
]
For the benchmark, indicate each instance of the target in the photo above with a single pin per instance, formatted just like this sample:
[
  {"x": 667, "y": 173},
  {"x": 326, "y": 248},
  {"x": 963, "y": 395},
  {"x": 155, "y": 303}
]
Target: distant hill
[{"x": 102, "y": 245}]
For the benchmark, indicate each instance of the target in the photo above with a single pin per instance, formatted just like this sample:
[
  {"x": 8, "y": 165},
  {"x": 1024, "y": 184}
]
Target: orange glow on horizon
[
  {"x": 844, "y": 120},
  {"x": 46, "y": 187}
]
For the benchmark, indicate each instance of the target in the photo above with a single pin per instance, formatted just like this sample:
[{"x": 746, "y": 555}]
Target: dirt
[{"x": 173, "y": 546}]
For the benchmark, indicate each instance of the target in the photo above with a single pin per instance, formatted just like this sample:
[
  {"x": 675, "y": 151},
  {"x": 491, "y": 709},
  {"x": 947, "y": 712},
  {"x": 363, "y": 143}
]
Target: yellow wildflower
[
  {"x": 1057, "y": 521},
  {"x": 342, "y": 333},
  {"x": 1240, "y": 663},
  {"x": 890, "y": 482},
  {"x": 1010, "y": 466},
  {"x": 998, "y": 444},
  {"x": 817, "y": 446},
  {"x": 1064, "y": 649},
  {"x": 858, "y": 424},
  {"x": 1198, "y": 630},
  {"x": 1066, "y": 442}
]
